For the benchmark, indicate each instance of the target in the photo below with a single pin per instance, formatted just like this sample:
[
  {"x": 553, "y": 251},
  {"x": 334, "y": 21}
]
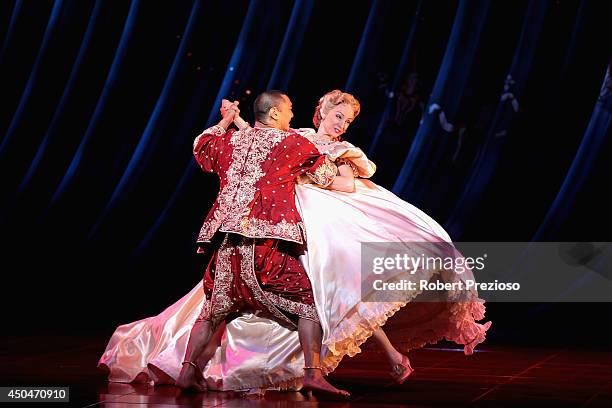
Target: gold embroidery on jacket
[
  {"x": 324, "y": 174},
  {"x": 251, "y": 149}
]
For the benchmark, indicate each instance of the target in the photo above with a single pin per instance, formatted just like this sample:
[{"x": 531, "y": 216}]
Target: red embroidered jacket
[{"x": 258, "y": 168}]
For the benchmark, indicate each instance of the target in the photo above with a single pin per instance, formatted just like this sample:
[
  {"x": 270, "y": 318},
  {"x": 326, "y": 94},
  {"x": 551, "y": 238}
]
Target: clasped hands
[{"x": 229, "y": 110}]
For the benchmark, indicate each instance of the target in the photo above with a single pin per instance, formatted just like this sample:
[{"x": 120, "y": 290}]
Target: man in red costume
[{"x": 258, "y": 231}]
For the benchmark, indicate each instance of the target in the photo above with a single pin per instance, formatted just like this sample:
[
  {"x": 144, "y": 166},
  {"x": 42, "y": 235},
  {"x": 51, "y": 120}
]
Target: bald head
[{"x": 273, "y": 109}]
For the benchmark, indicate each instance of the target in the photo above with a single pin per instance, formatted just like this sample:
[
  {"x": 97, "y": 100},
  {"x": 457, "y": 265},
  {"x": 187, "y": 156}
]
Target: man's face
[{"x": 283, "y": 113}]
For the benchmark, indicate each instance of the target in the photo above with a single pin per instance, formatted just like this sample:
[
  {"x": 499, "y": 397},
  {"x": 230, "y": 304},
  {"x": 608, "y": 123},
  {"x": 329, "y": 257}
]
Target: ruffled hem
[{"x": 458, "y": 325}]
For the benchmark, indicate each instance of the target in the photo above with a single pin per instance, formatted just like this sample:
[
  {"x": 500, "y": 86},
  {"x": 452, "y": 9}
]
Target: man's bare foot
[
  {"x": 189, "y": 380},
  {"x": 314, "y": 381}
]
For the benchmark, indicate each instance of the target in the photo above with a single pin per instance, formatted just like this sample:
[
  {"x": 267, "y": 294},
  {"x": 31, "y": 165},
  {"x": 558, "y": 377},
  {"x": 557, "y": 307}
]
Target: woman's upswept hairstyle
[{"x": 332, "y": 99}]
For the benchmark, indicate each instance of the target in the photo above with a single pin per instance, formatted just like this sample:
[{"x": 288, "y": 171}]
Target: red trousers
[{"x": 247, "y": 274}]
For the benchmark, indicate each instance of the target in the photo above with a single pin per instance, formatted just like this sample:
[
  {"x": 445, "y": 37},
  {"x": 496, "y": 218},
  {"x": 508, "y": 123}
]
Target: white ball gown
[{"x": 256, "y": 353}]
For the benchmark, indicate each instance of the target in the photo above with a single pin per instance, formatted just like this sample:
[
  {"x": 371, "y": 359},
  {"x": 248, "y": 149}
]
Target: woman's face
[{"x": 337, "y": 120}]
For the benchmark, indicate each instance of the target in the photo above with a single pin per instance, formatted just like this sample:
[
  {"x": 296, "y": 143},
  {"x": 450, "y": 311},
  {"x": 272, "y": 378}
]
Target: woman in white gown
[{"x": 253, "y": 352}]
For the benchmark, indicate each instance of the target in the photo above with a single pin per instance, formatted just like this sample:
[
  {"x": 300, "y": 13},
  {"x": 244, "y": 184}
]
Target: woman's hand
[
  {"x": 345, "y": 181},
  {"x": 238, "y": 121},
  {"x": 228, "y": 107}
]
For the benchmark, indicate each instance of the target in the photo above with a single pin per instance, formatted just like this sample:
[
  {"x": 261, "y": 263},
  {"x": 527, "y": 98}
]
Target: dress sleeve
[
  {"x": 208, "y": 145},
  {"x": 364, "y": 167}
]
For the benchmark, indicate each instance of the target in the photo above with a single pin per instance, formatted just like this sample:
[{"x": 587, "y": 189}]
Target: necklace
[{"x": 322, "y": 142}]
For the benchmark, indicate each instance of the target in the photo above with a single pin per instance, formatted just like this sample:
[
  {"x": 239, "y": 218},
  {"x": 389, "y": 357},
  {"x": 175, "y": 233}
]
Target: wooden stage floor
[{"x": 495, "y": 376}]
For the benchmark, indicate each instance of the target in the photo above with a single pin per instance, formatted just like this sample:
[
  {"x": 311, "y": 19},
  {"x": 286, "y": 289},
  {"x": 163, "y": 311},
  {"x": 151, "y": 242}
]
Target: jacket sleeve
[
  {"x": 319, "y": 170},
  {"x": 312, "y": 167},
  {"x": 208, "y": 147}
]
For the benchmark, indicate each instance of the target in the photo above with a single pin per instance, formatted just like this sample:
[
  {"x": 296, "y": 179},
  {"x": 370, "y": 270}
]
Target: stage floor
[{"x": 494, "y": 376}]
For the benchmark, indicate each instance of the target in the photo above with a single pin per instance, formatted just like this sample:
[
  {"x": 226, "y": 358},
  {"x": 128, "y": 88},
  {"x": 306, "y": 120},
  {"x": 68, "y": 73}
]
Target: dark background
[{"x": 101, "y": 199}]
